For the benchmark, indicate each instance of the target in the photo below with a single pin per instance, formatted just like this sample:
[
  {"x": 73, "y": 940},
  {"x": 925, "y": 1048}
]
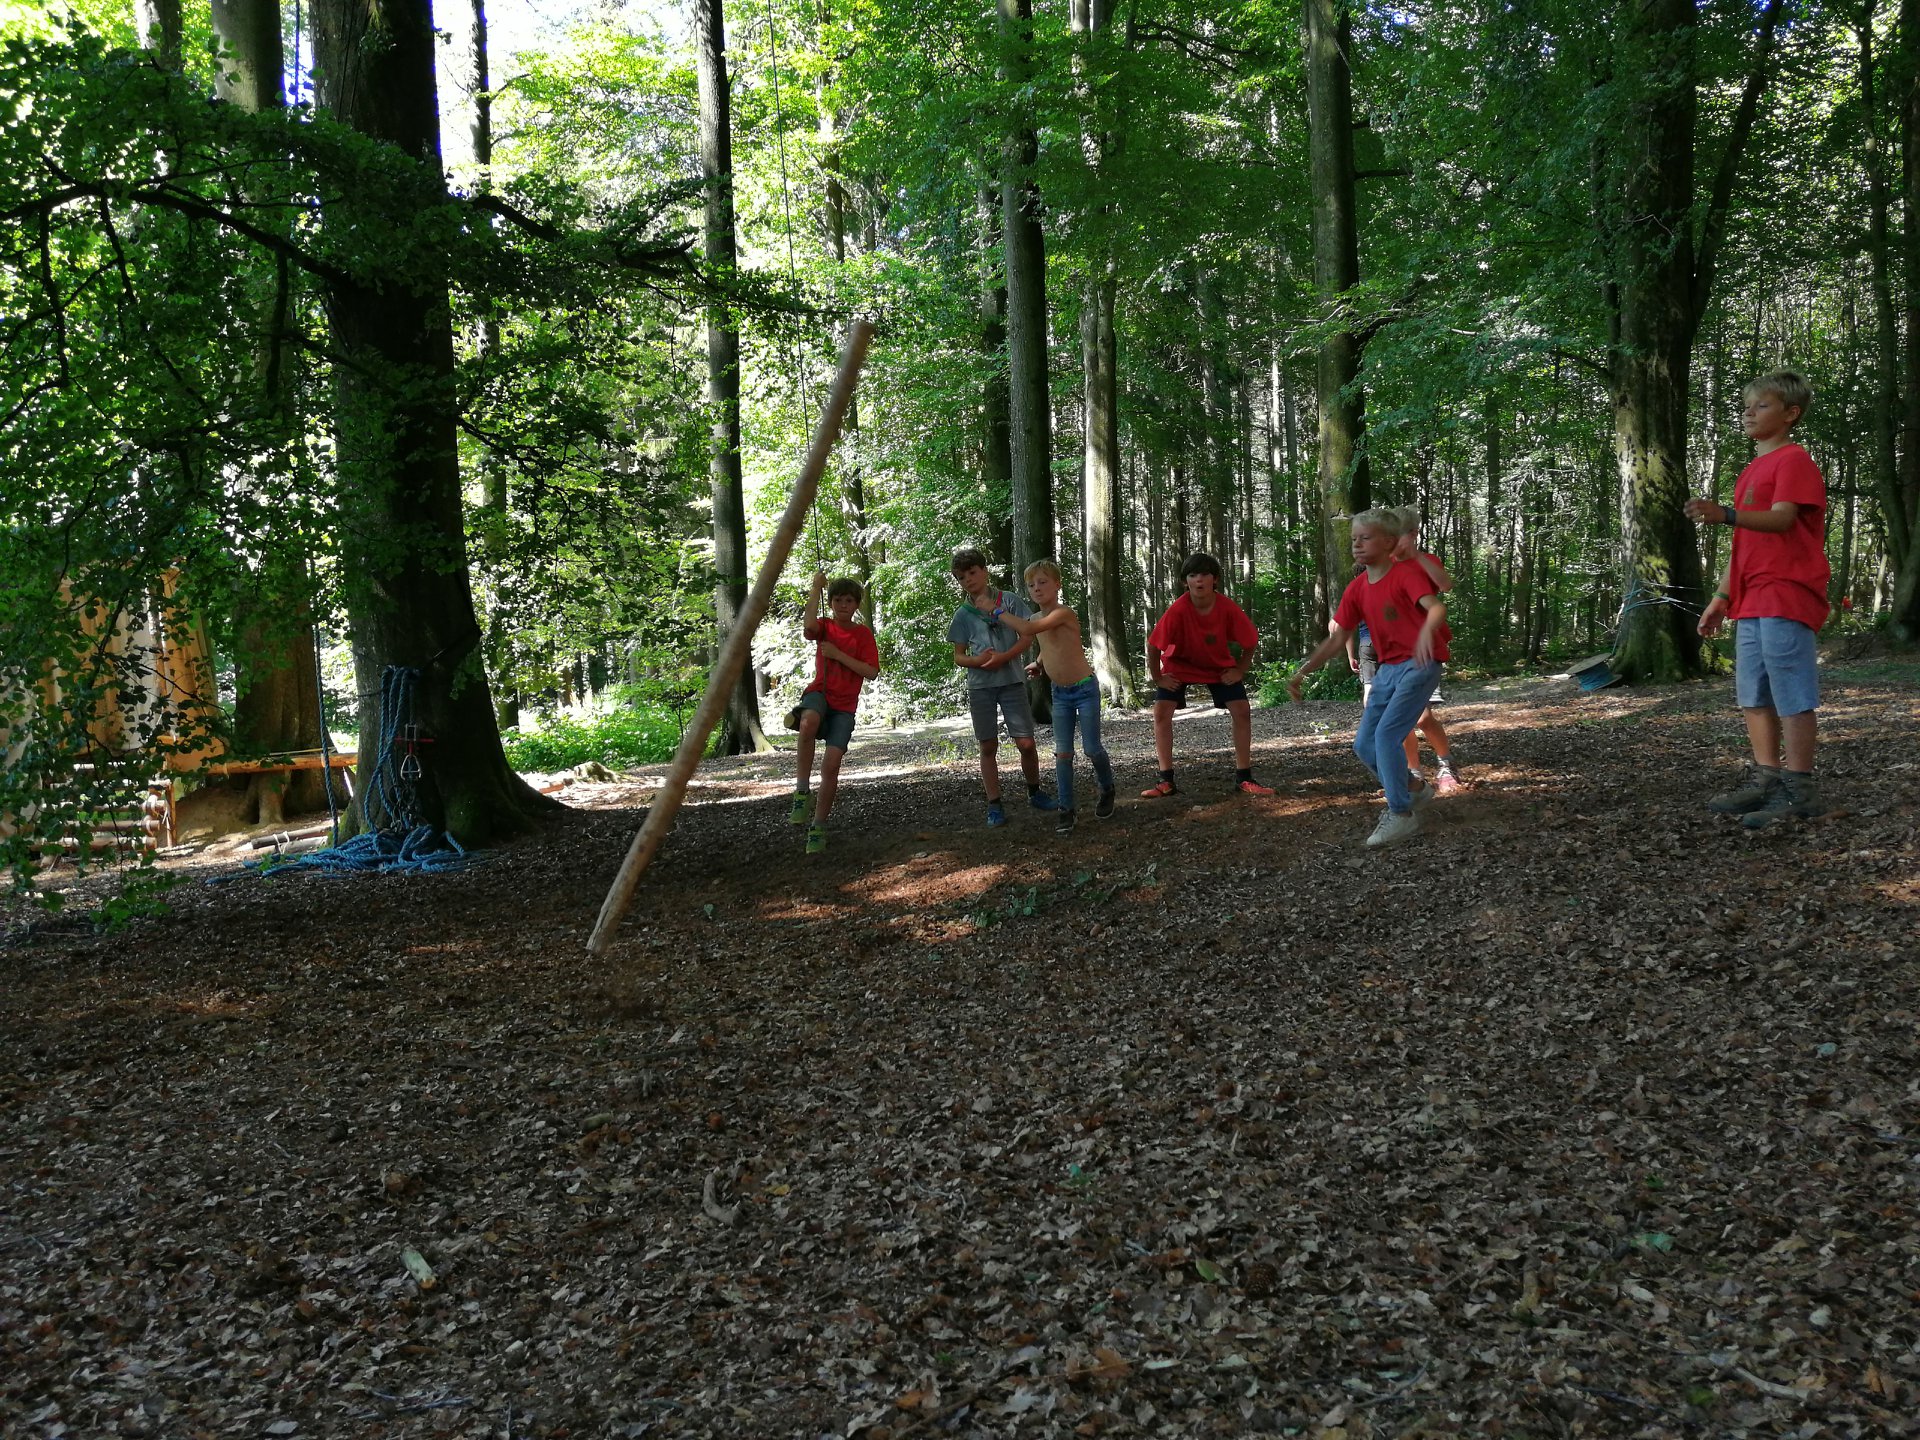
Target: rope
[
  {"x": 402, "y": 843},
  {"x": 798, "y": 356},
  {"x": 1634, "y": 600}
]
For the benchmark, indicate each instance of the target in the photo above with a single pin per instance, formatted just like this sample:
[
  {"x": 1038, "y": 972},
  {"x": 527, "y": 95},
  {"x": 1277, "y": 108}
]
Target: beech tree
[{"x": 404, "y": 543}]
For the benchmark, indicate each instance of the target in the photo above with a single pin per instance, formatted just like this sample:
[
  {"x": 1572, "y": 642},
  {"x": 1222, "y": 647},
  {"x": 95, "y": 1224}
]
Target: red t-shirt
[
  {"x": 1193, "y": 647},
  {"x": 1390, "y": 606},
  {"x": 839, "y": 684},
  {"x": 1782, "y": 575}
]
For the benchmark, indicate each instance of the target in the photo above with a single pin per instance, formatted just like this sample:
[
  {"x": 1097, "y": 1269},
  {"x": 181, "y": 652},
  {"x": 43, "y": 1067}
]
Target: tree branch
[{"x": 1713, "y": 225}]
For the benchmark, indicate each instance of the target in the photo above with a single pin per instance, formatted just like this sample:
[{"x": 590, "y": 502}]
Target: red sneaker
[
  {"x": 1254, "y": 787},
  {"x": 1444, "y": 783},
  {"x": 1160, "y": 791}
]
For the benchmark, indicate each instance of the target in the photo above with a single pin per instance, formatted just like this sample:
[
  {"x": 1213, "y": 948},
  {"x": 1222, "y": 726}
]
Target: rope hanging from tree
[{"x": 796, "y": 355}]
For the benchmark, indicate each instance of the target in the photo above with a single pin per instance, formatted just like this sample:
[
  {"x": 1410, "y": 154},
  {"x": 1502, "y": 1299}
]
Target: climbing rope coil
[{"x": 395, "y": 840}]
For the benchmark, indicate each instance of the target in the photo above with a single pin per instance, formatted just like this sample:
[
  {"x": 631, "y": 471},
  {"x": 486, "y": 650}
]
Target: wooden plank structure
[{"x": 733, "y": 655}]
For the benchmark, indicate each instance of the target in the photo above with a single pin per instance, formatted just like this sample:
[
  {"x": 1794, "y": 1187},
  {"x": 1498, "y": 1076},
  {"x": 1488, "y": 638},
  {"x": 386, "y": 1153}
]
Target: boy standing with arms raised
[
  {"x": 1203, "y": 639},
  {"x": 845, "y": 656},
  {"x": 989, "y": 651},
  {"x": 1407, "y": 619},
  {"x": 1076, "y": 694},
  {"x": 1775, "y": 586}
]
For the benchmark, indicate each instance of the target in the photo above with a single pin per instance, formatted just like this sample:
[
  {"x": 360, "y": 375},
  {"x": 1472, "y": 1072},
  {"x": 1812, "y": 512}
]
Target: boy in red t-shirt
[
  {"x": 844, "y": 657},
  {"x": 1775, "y": 586},
  {"x": 1408, "y": 622},
  {"x": 1203, "y": 639}
]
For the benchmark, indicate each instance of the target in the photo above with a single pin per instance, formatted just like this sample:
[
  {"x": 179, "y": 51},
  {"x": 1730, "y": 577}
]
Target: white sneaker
[
  {"x": 1393, "y": 828},
  {"x": 1422, "y": 794}
]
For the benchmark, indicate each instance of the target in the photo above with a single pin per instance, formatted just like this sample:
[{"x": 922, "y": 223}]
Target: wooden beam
[{"x": 733, "y": 655}]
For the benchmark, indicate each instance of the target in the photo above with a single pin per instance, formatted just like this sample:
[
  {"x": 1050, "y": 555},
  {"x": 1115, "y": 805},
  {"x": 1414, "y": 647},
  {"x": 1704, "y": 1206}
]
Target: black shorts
[
  {"x": 1223, "y": 695},
  {"x": 1369, "y": 662}
]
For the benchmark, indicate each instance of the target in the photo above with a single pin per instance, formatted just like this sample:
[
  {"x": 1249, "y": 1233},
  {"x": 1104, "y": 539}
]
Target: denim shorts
[
  {"x": 1775, "y": 666},
  {"x": 836, "y": 726},
  {"x": 989, "y": 703}
]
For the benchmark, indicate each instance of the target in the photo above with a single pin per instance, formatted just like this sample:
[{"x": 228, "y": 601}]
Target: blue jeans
[
  {"x": 1399, "y": 695},
  {"x": 1077, "y": 705}
]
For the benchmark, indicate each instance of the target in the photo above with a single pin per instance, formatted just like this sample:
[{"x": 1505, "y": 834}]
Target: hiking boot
[
  {"x": 1756, "y": 785},
  {"x": 996, "y": 817},
  {"x": 1064, "y": 825},
  {"x": 1105, "y": 808},
  {"x": 1393, "y": 828},
  {"x": 801, "y": 811},
  {"x": 1253, "y": 787},
  {"x": 1793, "y": 797},
  {"x": 1444, "y": 783},
  {"x": 1040, "y": 800},
  {"x": 816, "y": 838},
  {"x": 1160, "y": 790}
]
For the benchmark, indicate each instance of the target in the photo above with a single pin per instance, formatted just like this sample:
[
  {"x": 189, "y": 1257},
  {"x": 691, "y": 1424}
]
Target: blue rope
[{"x": 402, "y": 844}]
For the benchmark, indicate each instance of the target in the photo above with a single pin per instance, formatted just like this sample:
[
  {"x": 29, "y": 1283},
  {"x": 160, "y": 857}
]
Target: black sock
[
  {"x": 1243, "y": 775},
  {"x": 1032, "y": 789},
  {"x": 1167, "y": 775}
]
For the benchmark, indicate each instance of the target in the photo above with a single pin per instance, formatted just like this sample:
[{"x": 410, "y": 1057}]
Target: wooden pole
[{"x": 733, "y": 655}]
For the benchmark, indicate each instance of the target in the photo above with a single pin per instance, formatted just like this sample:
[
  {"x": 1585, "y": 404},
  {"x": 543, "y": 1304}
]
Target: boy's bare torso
[{"x": 1061, "y": 653}]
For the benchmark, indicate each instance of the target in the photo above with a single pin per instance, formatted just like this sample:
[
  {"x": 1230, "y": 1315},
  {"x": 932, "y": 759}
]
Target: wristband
[
  {"x": 1727, "y": 512},
  {"x": 1723, "y": 595}
]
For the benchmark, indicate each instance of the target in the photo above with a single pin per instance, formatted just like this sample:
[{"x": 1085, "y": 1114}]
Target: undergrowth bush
[{"x": 622, "y": 737}]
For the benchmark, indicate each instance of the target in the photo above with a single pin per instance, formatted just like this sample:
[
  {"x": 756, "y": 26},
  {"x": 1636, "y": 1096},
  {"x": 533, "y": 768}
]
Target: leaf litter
[{"x": 1585, "y": 1114}]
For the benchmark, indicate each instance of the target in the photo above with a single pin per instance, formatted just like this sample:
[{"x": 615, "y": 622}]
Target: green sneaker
[
  {"x": 801, "y": 811},
  {"x": 816, "y": 838}
]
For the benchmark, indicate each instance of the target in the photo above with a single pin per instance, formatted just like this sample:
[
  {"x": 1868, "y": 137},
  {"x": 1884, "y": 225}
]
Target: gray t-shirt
[{"x": 979, "y": 634}]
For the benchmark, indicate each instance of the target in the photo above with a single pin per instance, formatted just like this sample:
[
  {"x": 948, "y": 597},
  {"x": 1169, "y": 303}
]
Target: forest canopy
[{"x": 344, "y": 339}]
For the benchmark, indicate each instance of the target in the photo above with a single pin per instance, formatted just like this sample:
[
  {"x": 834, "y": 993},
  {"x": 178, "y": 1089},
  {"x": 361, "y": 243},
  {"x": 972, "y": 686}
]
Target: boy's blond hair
[
  {"x": 1790, "y": 387},
  {"x": 1384, "y": 520},
  {"x": 1042, "y": 567},
  {"x": 1409, "y": 518}
]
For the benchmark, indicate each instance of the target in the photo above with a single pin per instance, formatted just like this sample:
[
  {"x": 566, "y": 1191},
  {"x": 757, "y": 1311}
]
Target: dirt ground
[{"x": 1586, "y": 1113}]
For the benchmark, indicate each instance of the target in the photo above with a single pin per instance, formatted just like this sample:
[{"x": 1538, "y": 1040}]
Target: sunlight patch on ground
[{"x": 930, "y": 880}]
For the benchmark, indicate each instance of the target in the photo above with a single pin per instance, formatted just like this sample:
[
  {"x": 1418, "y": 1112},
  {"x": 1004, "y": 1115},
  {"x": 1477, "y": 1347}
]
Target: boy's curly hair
[
  {"x": 846, "y": 586},
  {"x": 1200, "y": 563},
  {"x": 967, "y": 559}
]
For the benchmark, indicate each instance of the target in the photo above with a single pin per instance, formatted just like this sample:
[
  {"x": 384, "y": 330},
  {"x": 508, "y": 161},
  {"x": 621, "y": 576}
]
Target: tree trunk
[
  {"x": 276, "y": 691},
  {"x": 492, "y": 521},
  {"x": 1030, "y": 408},
  {"x": 1105, "y": 605},
  {"x": 157, "y": 23},
  {"x": 1665, "y": 278},
  {"x": 404, "y": 549},
  {"x": 742, "y": 732},
  {"x": 1906, "y": 581},
  {"x": 1343, "y": 481},
  {"x": 996, "y": 434}
]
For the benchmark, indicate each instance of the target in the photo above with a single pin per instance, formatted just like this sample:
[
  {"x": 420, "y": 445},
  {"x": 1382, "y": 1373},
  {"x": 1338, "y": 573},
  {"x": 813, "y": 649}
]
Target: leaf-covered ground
[{"x": 1584, "y": 1114}]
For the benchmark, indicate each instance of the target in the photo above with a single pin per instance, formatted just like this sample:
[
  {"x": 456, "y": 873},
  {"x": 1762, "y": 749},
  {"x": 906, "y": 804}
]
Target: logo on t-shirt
[
  {"x": 1212, "y": 639},
  {"x": 1389, "y": 613}
]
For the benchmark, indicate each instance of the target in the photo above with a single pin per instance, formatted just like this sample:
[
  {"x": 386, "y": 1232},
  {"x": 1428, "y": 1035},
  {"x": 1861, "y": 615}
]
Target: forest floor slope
[{"x": 1583, "y": 1114}]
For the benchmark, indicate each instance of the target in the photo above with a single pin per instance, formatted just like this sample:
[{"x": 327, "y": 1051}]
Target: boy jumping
[
  {"x": 845, "y": 656},
  {"x": 1203, "y": 639},
  {"x": 989, "y": 651},
  {"x": 1775, "y": 586},
  {"x": 1076, "y": 694},
  {"x": 1390, "y": 596}
]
